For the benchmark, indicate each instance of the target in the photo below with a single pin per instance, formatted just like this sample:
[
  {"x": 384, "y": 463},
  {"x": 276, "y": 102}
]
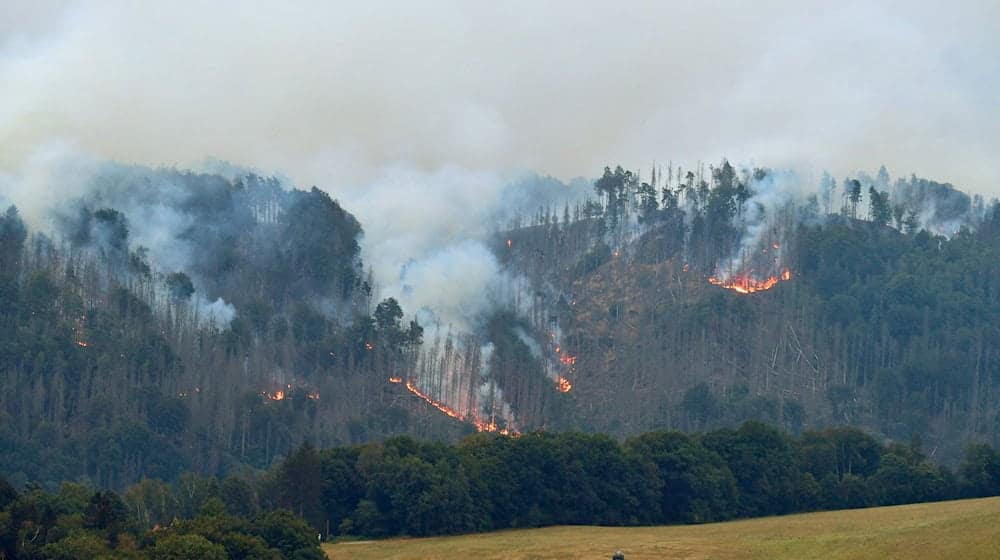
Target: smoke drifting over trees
[
  {"x": 319, "y": 95},
  {"x": 445, "y": 275},
  {"x": 249, "y": 307}
]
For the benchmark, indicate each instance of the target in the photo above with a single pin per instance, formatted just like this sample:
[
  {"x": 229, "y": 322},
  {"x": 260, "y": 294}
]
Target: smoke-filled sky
[
  {"x": 330, "y": 93},
  {"x": 419, "y": 115}
]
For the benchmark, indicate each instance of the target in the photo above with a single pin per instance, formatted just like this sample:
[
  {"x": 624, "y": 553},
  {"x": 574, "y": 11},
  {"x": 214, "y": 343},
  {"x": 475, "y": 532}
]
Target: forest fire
[
  {"x": 438, "y": 405},
  {"x": 480, "y": 424},
  {"x": 278, "y": 395},
  {"x": 566, "y": 360},
  {"x": 287, "y": 393},
  {"x": 744, "y": 283},
  {"x": 82, "y": 343}
]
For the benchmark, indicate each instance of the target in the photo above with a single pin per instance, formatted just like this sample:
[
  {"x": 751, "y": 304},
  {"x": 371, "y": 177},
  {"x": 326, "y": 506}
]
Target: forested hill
[
  {"x": 699, "y": 300},
  {"x": 173, "y": 321},
  {"x": 178, "y": 322}
]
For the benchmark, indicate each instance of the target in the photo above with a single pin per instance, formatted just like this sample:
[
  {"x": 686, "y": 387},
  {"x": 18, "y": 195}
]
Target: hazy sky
[{"x": 330, "y": 93}]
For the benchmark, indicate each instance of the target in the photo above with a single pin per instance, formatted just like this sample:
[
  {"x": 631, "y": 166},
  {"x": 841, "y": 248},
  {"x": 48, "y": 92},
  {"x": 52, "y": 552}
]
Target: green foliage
[
  {"x": 488, "y": 482},
  {"x": 187, "y": 547},
  {"x": 320, "y": 243},
  {"x": 79, "y": 523},
  {"x": 697, "y": 484},
  {"x": 13, "y": 233},
  {"x": 880, "y": 210},
  {"x": 981, "y": 471},
  {"x": 283, "y": 531},
  {"x": 76, "y": 546},
  {"x": 763, "y": 461},
  {"x": 107, "y": 514}
]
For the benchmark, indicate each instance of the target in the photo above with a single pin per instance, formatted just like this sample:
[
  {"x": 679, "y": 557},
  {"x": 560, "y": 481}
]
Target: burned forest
[{"x": 167, "y": 321}]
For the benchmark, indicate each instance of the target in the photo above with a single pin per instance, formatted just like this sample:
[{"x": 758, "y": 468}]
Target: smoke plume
[{"x": 333, "y": 94}]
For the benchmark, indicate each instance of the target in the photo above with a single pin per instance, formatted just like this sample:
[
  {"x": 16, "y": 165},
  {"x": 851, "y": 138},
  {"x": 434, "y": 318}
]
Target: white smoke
[
  {"x": 48, "y": 175},
  {"x": 217, "y": 314},
  {"x": 332, "y": 92},
  {"x": 531, "y": 343},
  {"x": 426, "y": 235},
  {"x": 451, "y": 286},
  {"x": 759, "y": 220}
]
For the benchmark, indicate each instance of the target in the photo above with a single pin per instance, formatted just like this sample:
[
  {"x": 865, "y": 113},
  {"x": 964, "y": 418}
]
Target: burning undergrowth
[{"x": 763, "y": 212}]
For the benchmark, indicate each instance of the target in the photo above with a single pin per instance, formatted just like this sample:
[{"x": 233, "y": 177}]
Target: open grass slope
[{"x": 967, "y": 529}]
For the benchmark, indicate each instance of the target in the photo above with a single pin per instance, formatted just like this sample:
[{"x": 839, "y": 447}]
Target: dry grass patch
[{"x": 968, "y": 529}]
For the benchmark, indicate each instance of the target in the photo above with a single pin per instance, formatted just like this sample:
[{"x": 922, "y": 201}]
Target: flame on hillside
[
  {"x": 745, "y": 283},
  {"x": 481, "y": 424},
  {"x": 563, "y": 385},
  {"x": 285, "y": 393},
  {"x": 566, "y": 360}
]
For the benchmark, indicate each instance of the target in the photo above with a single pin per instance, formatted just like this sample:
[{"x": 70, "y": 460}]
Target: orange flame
[
  {"x": 568, "y": 360},
  {"x": 744, "y": 283},
  {"x": 563, "y": 385},
  {"x": 313, "y": 396},
  {"x": 480, "y": 424},
  {"x": 369, "y": 346},
  {"x": 509, "y": 243},
  {"x": 82, "y": 343},
  {"x": 438, "y": 405}
]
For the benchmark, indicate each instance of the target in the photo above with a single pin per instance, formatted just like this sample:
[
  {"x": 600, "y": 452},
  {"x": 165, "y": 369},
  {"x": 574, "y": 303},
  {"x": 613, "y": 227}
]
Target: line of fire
[{"x": 743, "y": 277}]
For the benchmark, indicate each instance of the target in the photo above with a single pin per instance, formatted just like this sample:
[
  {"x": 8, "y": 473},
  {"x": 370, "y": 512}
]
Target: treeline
[
  {"x": 887, "y": 320},
  {"x": 209, "y": 522},
  {"x": 113, "y": 369},
  {"x": 488, "y": 482},
  {"x": 485, "y": 482}
]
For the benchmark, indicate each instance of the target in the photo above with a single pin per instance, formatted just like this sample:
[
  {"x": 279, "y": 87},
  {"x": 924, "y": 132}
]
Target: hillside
[
  {"x": 960, "y": 529},
  {"x": 171, "y": 321},
  {"x": 744, "y": 298}
]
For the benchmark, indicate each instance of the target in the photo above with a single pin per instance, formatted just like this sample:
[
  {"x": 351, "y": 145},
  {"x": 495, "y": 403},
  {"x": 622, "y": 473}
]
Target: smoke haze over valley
[
  {"x": 504, "y": 264},
  {"x": 336, "y": 95},
  {"x": 418, "y": 119}
]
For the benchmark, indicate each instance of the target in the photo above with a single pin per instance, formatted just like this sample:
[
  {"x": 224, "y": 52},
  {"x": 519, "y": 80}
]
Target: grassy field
[{"x": 966, "y": 529}]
